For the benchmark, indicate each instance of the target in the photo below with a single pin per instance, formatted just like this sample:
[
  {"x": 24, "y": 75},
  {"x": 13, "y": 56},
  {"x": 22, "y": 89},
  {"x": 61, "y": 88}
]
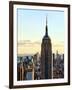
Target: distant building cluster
[
  {"x": 24, "y": 66},
  {"x": 58, "y": 65},
  {"x": 28, "y": 67},
  {"x": 44, "y": 66}
]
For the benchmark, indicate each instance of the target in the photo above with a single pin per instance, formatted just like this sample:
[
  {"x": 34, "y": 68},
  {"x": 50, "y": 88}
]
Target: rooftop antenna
[{"x": 46, "y": 33}]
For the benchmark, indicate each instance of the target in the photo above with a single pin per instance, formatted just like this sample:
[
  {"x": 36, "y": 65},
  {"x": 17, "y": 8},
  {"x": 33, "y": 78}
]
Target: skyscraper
[{"x": 46, "y": 56}]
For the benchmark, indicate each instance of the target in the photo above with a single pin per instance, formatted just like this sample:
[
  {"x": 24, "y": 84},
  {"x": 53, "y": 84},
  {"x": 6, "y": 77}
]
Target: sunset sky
[{"x": 31, "y": 29}]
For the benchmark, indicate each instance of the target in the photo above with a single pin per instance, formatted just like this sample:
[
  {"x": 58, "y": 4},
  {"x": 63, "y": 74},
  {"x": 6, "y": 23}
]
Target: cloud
[
  {"x": 28, "y": 43},
  {"x": 27, "y": 46}
]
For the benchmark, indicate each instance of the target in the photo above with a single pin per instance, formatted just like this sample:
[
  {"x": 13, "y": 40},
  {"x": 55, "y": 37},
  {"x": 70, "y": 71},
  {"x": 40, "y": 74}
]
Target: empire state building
[{"x": 46, "y": 56}]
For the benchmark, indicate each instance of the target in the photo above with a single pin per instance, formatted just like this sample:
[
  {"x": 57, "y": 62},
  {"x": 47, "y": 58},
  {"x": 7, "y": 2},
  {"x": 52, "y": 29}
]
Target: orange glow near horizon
[{"x": 34, "y": 47}]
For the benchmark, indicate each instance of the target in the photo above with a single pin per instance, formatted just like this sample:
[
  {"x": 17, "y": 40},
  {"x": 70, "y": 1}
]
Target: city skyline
[{"x": 31, "y": 29}]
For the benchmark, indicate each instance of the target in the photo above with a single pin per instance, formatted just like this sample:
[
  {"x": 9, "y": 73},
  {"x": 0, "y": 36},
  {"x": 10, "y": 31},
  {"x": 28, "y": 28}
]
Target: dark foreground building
[{"x": 46, "y": 56}]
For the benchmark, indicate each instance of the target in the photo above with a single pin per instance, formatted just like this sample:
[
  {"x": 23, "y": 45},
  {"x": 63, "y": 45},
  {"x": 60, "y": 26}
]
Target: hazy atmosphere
[{"x": 31, "y": 29}]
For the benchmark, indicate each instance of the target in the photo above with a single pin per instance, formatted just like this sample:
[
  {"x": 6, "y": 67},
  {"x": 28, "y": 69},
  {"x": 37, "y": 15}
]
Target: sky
[{"x": 31, "y": 29}]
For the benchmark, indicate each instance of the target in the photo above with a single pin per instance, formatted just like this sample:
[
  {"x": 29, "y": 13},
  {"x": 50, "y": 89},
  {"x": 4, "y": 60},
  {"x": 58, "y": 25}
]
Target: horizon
[{"x": 30, "y": 54}]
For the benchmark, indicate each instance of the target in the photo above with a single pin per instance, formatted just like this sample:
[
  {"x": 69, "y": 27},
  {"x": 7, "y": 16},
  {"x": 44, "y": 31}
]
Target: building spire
[
  {"x": 46, "y": 20},
  {"x": 46, "y": 33}
]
